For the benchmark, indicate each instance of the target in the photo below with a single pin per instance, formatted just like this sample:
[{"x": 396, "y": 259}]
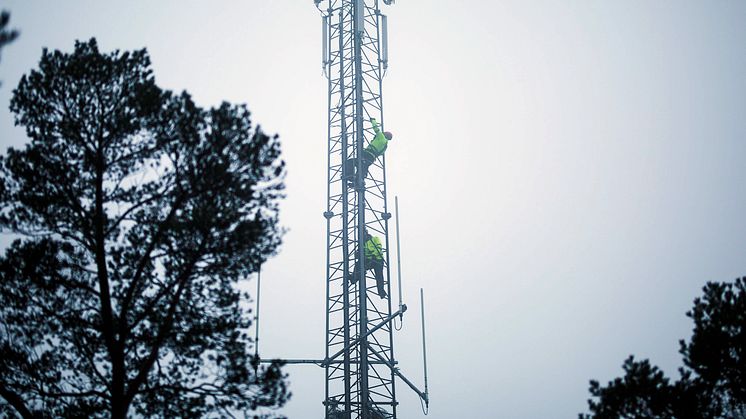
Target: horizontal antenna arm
[{"x": 319, "y": 362}]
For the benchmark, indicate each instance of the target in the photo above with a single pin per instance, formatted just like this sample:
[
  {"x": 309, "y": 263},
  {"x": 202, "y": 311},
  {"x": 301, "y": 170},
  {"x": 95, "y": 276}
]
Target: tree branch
[
  {"x": 16, "y": 401},
  {"x": 129, "y": 211},
  {"x": 124, "y": 329},
  {"x": 166, "y": 325}
]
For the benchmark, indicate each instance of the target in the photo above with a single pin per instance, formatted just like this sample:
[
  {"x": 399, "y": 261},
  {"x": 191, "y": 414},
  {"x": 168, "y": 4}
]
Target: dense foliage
[{"x": 137, "y": 213}]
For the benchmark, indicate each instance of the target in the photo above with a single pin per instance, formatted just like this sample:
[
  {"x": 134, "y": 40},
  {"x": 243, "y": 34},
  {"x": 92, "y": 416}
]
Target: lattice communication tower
[
  {"x": 359, "y": 358},
  {"x": 359, "y": 362}
]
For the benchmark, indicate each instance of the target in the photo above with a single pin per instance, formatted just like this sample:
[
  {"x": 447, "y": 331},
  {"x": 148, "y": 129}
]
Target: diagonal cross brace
[
  {"x": 396, "y": 371},
  {"x": 368, "y": 333}
]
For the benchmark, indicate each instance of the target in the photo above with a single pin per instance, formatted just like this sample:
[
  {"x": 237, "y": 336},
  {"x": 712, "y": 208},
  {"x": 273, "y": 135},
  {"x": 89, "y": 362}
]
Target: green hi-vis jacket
[
  {"x": 379, "y": 143},
  {"x": 373, "y": 249}
]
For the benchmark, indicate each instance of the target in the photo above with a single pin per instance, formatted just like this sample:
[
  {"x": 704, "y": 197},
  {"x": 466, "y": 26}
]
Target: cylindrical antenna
[
  {"x": 398, "y": 251},
  {"x": 256, "y": 336},
  {"x": 360, "y": 15},
  {"x": 424, "y": 351},
  {"x": 384, "y": 42},
  {"x": 325, "y": 42}
]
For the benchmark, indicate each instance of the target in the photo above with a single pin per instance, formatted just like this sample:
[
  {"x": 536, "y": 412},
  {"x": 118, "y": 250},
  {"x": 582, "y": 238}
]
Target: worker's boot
[
  {"x": 360, "y": 185},
  {"x": 382, "y": 293},
  {"x": 349, "y": 171}
]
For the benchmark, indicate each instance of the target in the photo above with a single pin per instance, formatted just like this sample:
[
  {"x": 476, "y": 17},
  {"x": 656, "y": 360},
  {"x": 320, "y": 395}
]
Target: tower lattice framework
[{"x": 359, "y": 383}]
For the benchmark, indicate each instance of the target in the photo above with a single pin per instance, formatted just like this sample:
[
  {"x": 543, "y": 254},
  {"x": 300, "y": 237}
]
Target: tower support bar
[
  {"x": 368, "y": 333},
  {"x": 398, "y": 373}
]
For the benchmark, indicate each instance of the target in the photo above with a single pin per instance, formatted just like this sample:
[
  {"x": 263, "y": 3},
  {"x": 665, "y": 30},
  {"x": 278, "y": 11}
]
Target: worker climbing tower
[{"x": 359, "y": 336}]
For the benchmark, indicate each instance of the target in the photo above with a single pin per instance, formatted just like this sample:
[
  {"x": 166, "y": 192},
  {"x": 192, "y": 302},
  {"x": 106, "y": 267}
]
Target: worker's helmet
[{"x": 388, "y": 135}]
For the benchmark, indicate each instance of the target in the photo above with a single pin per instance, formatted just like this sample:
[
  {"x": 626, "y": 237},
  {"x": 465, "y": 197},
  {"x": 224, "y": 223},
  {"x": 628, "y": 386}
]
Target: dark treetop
[
  {"x": 139, "y": 213},
  {"x": 713, "y": 379},
  {"x": 6, "y": 35}
]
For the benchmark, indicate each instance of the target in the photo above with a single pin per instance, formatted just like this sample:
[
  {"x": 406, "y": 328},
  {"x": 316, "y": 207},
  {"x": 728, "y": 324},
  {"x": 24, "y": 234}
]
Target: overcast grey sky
[{"x": 570, "y": 174}]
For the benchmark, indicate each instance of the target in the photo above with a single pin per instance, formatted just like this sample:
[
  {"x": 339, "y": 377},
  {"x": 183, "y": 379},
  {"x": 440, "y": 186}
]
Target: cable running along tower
[{"x": 359, "y": 360}]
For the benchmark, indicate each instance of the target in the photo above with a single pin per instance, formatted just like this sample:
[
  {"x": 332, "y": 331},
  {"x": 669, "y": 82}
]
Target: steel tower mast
[
  {"x": 359, "y": 337},
  {"x": 359, "y": 361}
]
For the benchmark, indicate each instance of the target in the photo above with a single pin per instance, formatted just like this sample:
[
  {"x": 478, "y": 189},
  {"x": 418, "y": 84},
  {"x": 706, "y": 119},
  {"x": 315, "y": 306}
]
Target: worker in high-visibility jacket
[
  {"x": 375, "y": 149},
  {"x": 373, "y": 251}
]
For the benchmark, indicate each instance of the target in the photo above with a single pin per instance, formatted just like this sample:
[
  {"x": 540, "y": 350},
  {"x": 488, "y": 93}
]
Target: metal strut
[{"x": 368, "y": 333}]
